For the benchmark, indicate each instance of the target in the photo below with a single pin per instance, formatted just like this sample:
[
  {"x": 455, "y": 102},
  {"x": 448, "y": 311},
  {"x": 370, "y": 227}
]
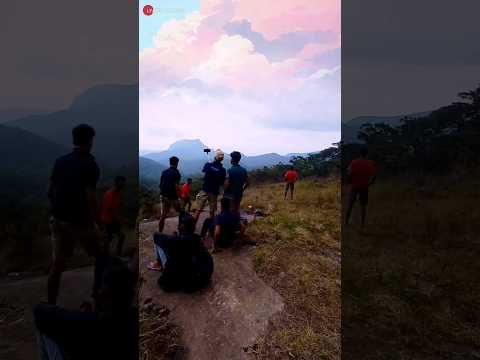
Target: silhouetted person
[
  {"x": 106, "y": 329},
  {"x": 237, "y": 181},
  {"x": 186, "y": 199},
  {"x": 110, "y": 214},
  {"x": 214, "y": 178},
  {"x": 362, "y": 174},
  {"x": 169, "y": 191},
  {"x": 291, "y": 177},
  {"x": 185, "y": 261},
  {"x": 74, "y": 209}
]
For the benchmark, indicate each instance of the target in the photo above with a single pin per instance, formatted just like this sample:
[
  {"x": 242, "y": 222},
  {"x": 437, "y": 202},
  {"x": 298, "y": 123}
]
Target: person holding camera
[{"x": 213, "y": 179}]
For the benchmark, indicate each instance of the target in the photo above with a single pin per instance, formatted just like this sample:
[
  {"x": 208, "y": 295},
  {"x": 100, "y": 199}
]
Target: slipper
[{"x": 153, "y": 265}]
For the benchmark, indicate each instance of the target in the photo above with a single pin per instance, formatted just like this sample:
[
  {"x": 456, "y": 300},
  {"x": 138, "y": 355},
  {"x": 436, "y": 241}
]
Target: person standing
[
  {"x": 186, "y": 199},
  {"x": 362, "y": 174},
  {"x": 214, "y": 178},
  {"x": 111, "y": 218},
  {"x": 291, "y": 177},
  {"x": 169, "y": 191},
  {"x": 74, "y": 215},
  {"x": 236, "y": 182}
]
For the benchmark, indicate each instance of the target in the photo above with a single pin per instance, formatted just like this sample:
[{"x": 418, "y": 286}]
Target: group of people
[
  {"x": 183, "y": 257},
  {"x": 108, "y": 324}
]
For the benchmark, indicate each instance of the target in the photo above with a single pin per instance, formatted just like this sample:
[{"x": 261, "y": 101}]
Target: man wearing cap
[{"x": 214, "y": 177}]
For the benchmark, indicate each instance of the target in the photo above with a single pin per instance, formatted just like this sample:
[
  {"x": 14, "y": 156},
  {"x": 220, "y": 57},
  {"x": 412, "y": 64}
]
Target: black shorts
[{"x": 361, "y": 193}]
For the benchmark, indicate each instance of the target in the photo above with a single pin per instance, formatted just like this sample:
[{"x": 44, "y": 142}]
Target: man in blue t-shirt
[
  {"x": 237, "y": 181},
  {"x": 214, "y": 177}
]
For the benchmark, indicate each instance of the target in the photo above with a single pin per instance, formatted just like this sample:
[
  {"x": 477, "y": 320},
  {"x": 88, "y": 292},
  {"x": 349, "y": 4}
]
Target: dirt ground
[
  {"x": 223, "y": 320},
  {"x": 17, "y": 299}
]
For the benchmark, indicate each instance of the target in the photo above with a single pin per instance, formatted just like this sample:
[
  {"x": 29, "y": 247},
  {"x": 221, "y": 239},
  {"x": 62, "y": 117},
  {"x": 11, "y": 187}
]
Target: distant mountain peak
[
  {"x": 187, "y": 143},
  {"x": 105, "y": 95}
]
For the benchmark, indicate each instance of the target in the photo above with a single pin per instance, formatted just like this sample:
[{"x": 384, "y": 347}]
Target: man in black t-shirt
[
  {"x": 185, "y": 261},
  {"x": 74, "y": 209},
  {"x": 170, "y": 191}
]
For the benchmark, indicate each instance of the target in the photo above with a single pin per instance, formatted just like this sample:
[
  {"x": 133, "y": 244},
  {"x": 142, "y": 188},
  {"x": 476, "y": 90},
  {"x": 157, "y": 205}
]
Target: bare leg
[
  {"x": 364, "y": 214},
  {"x": 351, "y": 202},
  {"x": 54, "y": 277},
  {"x": 212, "y": 207},
  {"x": 161, "y": 223},
  {"x": 291, "y": 192},
  {"x": 286, "y": 192}
]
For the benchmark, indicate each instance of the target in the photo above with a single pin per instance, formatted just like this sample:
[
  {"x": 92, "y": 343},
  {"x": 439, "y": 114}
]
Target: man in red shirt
[
  {"x": 291, "y": 177},
  {"x": 185, "y": 195},
  {"x": 110, "y": 214},
  {"x": 362, "y": 174}
]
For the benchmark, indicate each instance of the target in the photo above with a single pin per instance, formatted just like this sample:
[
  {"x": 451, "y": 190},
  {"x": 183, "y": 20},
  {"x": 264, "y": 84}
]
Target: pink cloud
[
  {"x": 260, "y": 94},
  {"x": 310, "y": 51},
  {"x": 274, "y": 18},
  {"x": 198, "y": 46}
]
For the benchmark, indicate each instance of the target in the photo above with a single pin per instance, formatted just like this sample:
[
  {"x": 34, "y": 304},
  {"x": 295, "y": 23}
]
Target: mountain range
[
  {"x": 111, "y": 109},
  {"x": 26, "y": 164},
  {"x": 30, "y": 143},
  {"x": 192, "y": 158},
  {"x": 11, "y": 114}
]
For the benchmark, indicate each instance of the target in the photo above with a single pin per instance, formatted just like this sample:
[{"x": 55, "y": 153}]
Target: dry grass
[
  {"x": 411, "y": 278},
  {"x": 159, "y": 338},
  {"x": 299, "y": 256}
]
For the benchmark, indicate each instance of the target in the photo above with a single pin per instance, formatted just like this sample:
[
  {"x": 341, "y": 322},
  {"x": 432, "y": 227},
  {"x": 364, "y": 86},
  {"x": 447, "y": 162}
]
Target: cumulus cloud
[
  {"x": 286, "y": 45},
  {"x": 230, "y": 76}
]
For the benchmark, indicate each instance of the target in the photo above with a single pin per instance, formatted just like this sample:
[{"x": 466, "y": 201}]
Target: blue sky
[{"x": 164, "y": 10}]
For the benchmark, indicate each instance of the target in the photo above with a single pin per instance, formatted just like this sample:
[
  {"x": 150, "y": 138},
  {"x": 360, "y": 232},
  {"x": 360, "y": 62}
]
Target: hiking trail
[{"x": 222, "y": 320}]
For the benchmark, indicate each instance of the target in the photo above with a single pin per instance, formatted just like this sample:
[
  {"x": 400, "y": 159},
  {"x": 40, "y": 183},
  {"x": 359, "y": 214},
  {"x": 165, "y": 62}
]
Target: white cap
[{"x": 219, "y": 155}]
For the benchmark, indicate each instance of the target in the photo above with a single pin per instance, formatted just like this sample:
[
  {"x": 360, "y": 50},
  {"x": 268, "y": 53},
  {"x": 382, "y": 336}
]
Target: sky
[
  {"x": 51, "y": 53},
  {"x": 256, "y": 76},
  {"x": 402, "y": 57}
]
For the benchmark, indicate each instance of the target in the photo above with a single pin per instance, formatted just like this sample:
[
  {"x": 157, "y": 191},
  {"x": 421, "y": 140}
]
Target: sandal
[{"x": 155, "y": 266}]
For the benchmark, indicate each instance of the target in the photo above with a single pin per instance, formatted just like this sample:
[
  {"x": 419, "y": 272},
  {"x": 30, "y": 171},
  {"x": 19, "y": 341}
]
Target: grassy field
[
  {"x": 411, "y": 278},
  {"x": 299, "y": 256}
]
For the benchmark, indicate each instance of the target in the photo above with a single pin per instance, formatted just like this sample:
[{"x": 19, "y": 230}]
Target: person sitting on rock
[
  {"x": 224, "y": 227},
  {"x": 184, "y": 261}
]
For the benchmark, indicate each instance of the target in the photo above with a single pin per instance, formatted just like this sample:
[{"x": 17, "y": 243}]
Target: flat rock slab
[
  {"x": 219, "y": 322},
  {"x": 17, "y": 336}
]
